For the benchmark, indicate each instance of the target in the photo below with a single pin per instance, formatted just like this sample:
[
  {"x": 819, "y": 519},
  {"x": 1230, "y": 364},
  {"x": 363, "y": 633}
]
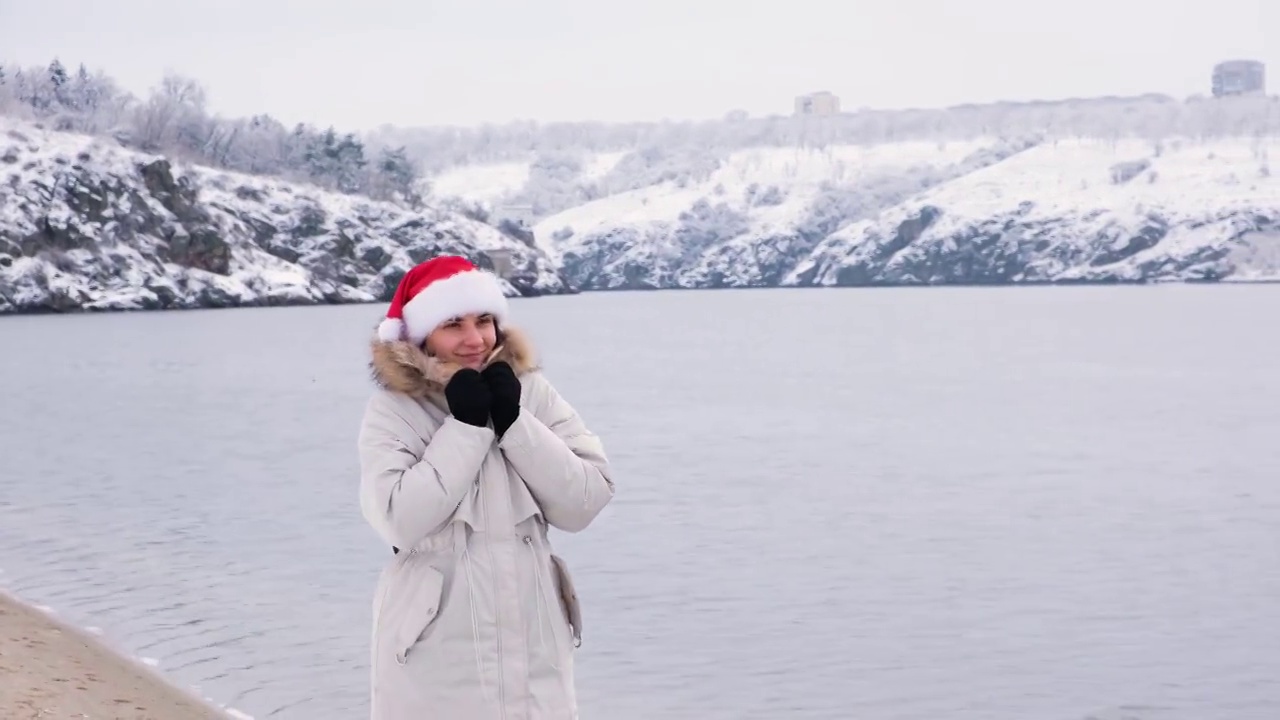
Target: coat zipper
[{"x": 497, "y": 604}]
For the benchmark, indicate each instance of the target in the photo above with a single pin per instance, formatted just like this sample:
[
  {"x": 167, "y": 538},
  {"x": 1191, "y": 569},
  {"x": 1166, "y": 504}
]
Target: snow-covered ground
[
  {"x": 487, "y": 183},
  {"x": 84, "y": 223},
  {"x": 1075, "y": 210},
  {"x": 747, "y": 221},
  {"x": 979, "y": 211},
  {"x": 87, "y": 224},
  {"x": 600, "y": 165},
  {"x": 491, "y": 184},
  {"x": 776, "y": 186}
]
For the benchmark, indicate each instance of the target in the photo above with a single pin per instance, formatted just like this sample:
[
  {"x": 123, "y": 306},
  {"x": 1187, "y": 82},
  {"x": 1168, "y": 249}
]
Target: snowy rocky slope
[
  {"x": 1075, "y": 211},
  {"x": 751, "y": 217},
  {"x": 85, "y": 224},
  {"x": 979, "y": 211}
]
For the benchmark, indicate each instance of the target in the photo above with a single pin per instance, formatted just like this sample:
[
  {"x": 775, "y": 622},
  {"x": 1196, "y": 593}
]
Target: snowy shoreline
[{"x": 376, "y": 304}]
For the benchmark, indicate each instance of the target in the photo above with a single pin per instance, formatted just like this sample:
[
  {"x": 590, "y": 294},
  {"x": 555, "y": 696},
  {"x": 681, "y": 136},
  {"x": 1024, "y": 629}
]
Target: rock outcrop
[{"x": 87, "y": 225}]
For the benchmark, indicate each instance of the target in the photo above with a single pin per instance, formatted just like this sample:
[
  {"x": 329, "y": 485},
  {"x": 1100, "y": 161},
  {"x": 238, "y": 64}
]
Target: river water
[{"x": 899, "y": 504}]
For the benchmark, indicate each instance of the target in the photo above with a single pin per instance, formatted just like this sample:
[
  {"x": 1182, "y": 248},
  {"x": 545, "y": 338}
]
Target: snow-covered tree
[
  {"x": 58, "y": 80},
  {"x": 335, "y": 162},
  {"x": 172, "y": 117},
  {"x": 57, "y": 73},
  {"x": 394, "y": 177},
  {"x": 390, "y": 162},
  {"x": 552, "y": 183},
  {"x": 7, "y": 99}
]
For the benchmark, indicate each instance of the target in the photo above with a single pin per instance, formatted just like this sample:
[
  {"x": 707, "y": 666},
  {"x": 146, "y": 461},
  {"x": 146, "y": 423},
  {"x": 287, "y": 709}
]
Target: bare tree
[{"x": 170, "y": 114}]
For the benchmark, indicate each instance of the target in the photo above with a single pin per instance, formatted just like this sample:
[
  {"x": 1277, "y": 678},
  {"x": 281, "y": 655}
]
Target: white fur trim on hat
[
  {"x": 391, "y": 330},
  {"x": 473, "y": 291}
]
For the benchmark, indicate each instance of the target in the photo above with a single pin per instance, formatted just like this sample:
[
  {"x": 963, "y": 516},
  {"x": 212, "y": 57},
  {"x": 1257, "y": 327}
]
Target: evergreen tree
[
  {"x": 20, "y": 87},
  {"x": 59, "y": 97},
  {"x": 297, "y": 150},
  {"x": 349, "y": 164},
  {"x": 86, "y": 93},
  {"x": 320, "y": 156},
  {"x": 35, "y": 91},
  {"x": 336, "y": 162},
  {"x": 57, "y": 74},
  {"x": 395, "y": 177}
]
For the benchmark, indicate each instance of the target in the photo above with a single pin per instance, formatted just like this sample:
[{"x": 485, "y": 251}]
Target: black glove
[
  {"x": 505, "y": 387},
  {"x": 469, "y": 397}
]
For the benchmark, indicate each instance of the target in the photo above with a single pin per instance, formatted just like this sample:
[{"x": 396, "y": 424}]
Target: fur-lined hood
[{"x": 403, "y": 367}]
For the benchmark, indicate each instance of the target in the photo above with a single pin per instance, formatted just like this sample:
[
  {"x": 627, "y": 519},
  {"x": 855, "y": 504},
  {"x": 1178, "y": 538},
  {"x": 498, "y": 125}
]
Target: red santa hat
[{"x": 437, "y": 290}]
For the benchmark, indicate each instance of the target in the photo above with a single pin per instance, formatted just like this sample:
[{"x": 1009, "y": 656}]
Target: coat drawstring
[{"x": 460, "y": 536}]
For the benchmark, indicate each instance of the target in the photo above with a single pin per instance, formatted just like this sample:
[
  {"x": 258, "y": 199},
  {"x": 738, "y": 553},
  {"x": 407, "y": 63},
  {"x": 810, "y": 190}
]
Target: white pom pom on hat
[{"x": 438, "y": 290}]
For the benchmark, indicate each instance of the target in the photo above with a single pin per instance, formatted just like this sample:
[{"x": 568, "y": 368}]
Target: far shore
[
  {"x": 1108, "y": 283},
  {"x": 50, "y": 670}
]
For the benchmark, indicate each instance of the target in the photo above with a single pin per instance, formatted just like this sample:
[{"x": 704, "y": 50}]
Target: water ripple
[{"x": 996, "y": 507}]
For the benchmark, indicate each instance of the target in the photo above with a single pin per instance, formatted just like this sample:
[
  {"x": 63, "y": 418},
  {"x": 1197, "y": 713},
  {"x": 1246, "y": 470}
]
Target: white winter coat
[{"x": 475, "y": 618}]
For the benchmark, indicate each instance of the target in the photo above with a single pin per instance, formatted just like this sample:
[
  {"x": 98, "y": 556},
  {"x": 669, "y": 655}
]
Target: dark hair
[{"x": 498, "y": 337}]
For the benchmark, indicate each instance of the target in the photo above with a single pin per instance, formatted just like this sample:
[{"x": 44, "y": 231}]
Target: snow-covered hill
[
  {"x": 751, "y": 218},
  {"x": 1071, "y": 211},
  {"x": 87, "y": 224},
  {"x": 977, "y": 211}
]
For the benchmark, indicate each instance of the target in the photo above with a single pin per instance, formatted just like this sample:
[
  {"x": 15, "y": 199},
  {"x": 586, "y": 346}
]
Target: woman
[{"x": 467, "y": 455}]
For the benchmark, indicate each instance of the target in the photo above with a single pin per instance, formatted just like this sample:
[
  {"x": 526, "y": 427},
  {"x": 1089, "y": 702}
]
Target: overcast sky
[{"x": 360, "y": 63}]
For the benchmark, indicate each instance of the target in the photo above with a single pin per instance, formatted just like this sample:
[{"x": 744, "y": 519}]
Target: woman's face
[{"x": 465, "y": 340}]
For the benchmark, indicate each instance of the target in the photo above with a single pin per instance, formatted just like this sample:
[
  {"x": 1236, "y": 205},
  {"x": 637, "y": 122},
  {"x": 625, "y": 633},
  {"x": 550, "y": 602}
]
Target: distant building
[
  {"x": 819, "y": 103},
  {"x": 501, "y": 260},
  {"x": 1239, "y": 77}
]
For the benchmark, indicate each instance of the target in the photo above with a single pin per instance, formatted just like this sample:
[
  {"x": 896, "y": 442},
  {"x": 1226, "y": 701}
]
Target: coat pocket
[
  {"x": 568, "y": 598},
  {"x": 410, "y": 606}
]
